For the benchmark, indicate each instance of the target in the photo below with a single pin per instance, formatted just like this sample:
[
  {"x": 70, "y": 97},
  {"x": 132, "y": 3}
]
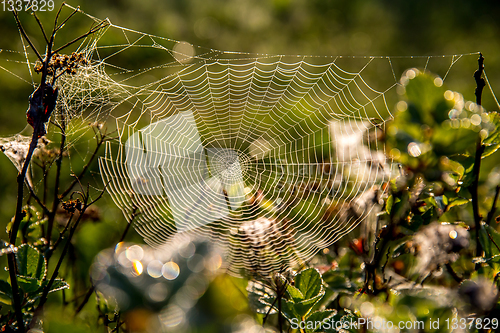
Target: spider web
[{"x": 272, "y": 157}]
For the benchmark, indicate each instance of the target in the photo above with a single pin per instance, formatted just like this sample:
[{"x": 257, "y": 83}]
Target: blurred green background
[{"x": 292, "y": 27}]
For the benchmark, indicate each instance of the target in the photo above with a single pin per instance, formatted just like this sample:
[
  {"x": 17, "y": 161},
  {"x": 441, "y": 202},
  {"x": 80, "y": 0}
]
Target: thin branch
[
  {"x": 56, "y": 29},
  {"x": 53, "y": 34},
  {"x": 23, "y": 32},
  {"x": 480, "y": 83},
  {"x": 92, "y": 288},
  {"x": 90, "y": 32},
  {"x": 85, "y": 300},
  {"x": 37, "y": 199},
  {"x": 41, "y": 27},
  {"x": 129, "y": 223},
  {"x": 474, "y": 195},
  {"x": 86, "y": 166},
  {"x": 100, "y": 195},
  {"x": 493, "y": 209},
  {"x": 15, "y": 291},
  {"x": 453, "y": 274},
  {"x": 57, "y": 16},
  {"x": 86, "y": 205},
  {"x": 56, "y": 200},
  {"x": 493, "y": 241},
  {"x": 118, "y": 324},
  {"x": 46, "y": 290},
  {"x": 61, "y": 235},
  {"x": 21, "y": 177}
]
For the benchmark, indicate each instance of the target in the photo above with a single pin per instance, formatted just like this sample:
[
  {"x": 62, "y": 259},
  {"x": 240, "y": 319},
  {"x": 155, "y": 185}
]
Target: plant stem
[
  {"x": 100, "y": 141},
  {"x": 480, "y": 84},
  {"x": 453, "y": 274},
  {"x": 55, "y": 203},
  {"x": 15, "y": 291},
  {"x": 43, "y": 299},
  {"x": 474, "y": 196},
  {"x": 66, "y": 247},
  {"x": 15, "y": 228}
]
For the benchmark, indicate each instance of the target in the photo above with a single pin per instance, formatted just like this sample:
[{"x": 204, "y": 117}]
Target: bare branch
[
  {"x": 474, "y": 195},
  {"x": 100, "y": 195},
  {"x": 67, "y": 19},
  {"x": 56, "y": 200},
  {"x": 41, "y": 27},
  {"x": 100, "y": 141},
  {"x": 92, "y": 288},
  {"x": 61, "y": 234},
  {"x": 37, "y": 199},
  {"x": 57, "y": 16},
  {"x": 90, "y": 32}
]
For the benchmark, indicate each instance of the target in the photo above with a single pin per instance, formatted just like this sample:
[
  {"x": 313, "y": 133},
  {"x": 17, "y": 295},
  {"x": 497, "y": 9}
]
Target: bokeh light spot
[
  {"x": 414, "y": 149},
  {"x": 448, "y": 94},
  {"x": 402, "y": 106},
  {"x": 137, "y": 266},
  {"x": 170, "y": 270},
  {"x": 134, "y": 252},
  {"x": 155, "y": 268},
  {"x": 453, "y": 234},
  {"x": 475, "y": 119}
]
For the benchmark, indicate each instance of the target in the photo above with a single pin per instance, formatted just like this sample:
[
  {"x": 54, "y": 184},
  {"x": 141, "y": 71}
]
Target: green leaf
[
  {"x": 258, "y": 297},
  {"x": 294, "y": 293},
  {"x": 5, "y": 292},
  {"x": 388, "y": 204},
  {"x": 319, "y": 317},
  {"x": 58, "y": 284},
  {"x": 30, "y": 262},
  {"x": 309, "y": 282},
  {"x": 30, "y": 224},
  {"x": 456, "y": 201},
  {"x": 400, "y": 249},
  {"x": 347, "y": 322},
  {"x": 29, "y": 285},
  {"x": 305, "y": 306},
  {"x": 490, "y": 149},
  {"x": 468, "y": 177},
  {"x": 288, "y": 309}
]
